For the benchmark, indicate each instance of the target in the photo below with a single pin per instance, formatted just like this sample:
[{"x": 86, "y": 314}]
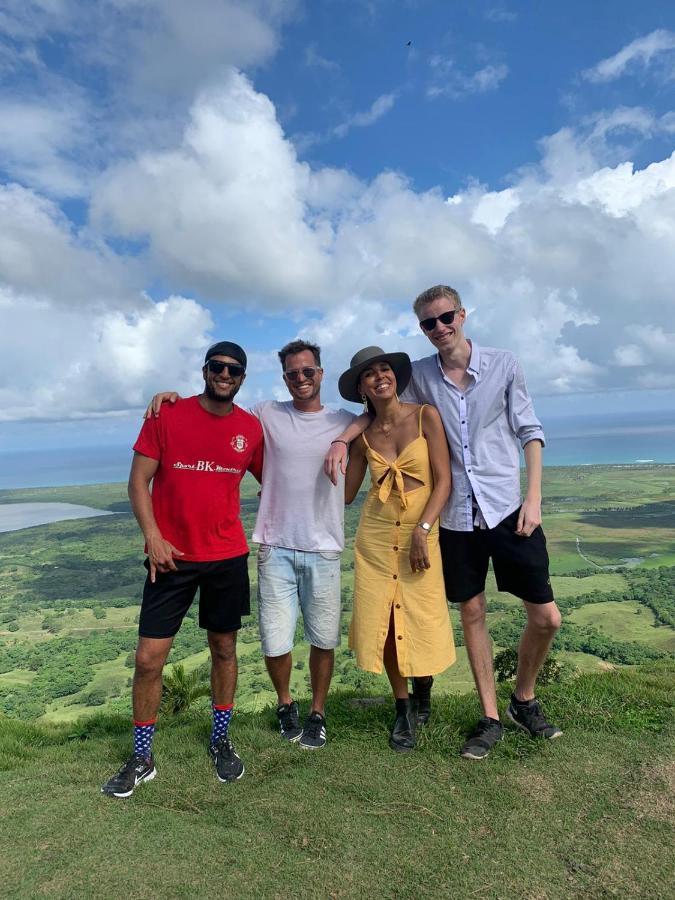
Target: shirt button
[
  {"x": 463, "y": 421},
  {"x": 468, "y": 470},
  {"x": 466, "y": 446}
]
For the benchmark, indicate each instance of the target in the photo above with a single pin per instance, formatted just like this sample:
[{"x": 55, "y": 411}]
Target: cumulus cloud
[
  {"x": 548, "y": 265},
  {"x": 641, "y": 52}
]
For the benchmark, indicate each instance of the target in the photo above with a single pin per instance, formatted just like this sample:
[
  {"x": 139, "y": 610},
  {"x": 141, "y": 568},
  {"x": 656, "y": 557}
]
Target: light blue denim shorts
[{"x": 294, "y": 580}]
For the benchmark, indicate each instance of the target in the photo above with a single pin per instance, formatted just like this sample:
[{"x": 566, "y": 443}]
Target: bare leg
[
  {"x": 543, "y": 621},
  {"x": 151, "y": 654},
  {"x": 279, "y": 669},
  {"x": 479, "y": 650},
  {"x": 223, "y": 666},
  {"x": 399, "y": 684},
  {"x": 321, "y": 671}
]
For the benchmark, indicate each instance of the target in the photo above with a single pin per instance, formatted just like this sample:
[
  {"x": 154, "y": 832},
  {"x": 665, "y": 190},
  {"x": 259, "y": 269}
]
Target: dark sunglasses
[
  {"x": 446, "y": 318},
  {"x": 234, "y": 369},
  {"x": 308, "y": 371}
]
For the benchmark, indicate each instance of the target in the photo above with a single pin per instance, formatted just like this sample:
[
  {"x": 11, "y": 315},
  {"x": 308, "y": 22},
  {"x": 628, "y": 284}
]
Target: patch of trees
[{"x": 655, "y": 588}]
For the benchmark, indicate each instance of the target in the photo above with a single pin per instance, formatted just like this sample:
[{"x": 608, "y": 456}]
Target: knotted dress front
[{"x": 383, "y": 581}]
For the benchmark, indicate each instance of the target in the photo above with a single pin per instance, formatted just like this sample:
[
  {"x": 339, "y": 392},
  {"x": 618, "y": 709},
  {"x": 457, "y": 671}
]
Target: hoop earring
[{"x": 365, "y": 404}]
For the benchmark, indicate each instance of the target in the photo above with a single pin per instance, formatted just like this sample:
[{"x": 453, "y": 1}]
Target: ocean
[{"x": 571, "y": 441}]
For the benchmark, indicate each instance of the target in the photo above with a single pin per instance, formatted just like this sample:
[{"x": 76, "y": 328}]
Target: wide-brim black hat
[{"x": 349, "y": 380}]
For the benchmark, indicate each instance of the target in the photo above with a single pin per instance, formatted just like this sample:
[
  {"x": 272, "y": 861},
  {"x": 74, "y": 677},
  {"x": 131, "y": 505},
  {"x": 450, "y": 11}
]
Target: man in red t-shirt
[{"x": 195, "y": 455}]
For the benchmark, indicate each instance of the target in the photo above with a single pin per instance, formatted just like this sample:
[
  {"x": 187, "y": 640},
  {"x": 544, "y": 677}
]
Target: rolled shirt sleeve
[{"x": 522, "y": 418}]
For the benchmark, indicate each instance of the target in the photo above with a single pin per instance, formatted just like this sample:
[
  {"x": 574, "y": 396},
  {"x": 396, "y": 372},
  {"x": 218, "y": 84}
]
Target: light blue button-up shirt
[{"x": 486, "y": 426}]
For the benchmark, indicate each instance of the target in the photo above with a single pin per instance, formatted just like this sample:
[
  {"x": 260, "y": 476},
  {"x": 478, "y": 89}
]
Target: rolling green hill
[
  {"x": 69, "y": 594},
  {"x": 588, "y": 815}
]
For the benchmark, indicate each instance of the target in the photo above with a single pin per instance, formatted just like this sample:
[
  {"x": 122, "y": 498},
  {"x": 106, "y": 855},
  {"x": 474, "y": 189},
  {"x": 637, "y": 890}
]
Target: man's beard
[{"x": 219, "y": 398}]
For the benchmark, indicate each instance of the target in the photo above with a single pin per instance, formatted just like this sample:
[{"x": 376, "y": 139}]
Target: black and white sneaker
[
  {"x": 134, "y": 771},
  {"x": 530, "y": 718},
  {"x": 482, "y": 739},
  {"x": 229, "y": 766},
  {"x": 313, "y": 735},
  {"x": 288, "y": 715}
]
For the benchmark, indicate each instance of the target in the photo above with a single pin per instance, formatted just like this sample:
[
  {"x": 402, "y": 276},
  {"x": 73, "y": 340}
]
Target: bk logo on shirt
[{"x": 239, "y": 443}]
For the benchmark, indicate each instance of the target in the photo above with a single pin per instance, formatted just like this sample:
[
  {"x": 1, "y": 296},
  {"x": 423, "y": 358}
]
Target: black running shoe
[
  {"x": 229, "y": 766},
  {"x": 313, "y": 735},
  {"x": 421, "y": 694},
  {"x": 482, "y": 739},
  {"x": 289, "y": 721},
  {"x": 134, "y": 771},
  {"x": 530, "y": 718}
]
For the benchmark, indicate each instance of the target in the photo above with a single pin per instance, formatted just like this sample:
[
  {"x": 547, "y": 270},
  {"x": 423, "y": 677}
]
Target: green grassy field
[
  {"x": 69, "y": 593},
  {"x": 588, "y": 815}
]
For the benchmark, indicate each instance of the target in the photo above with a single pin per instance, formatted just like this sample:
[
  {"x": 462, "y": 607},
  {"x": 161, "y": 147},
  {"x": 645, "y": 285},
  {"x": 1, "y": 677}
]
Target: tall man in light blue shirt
[{"x": 488, "y": 416}]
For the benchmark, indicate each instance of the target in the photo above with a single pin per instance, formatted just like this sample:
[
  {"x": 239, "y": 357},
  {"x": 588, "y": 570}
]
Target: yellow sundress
[{"x": 382, "y": 576}]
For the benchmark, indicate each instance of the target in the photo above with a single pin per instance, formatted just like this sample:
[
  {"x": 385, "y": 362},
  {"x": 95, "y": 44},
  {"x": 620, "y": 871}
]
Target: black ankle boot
[
  {"x": 421, "y": 694},
  {"x": 402, "y": 738}
]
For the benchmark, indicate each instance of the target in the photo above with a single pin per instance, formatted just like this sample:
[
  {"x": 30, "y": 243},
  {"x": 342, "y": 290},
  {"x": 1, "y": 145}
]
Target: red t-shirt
[{"x": 195, "y": 491}]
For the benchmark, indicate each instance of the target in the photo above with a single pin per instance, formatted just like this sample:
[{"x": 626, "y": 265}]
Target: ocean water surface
[{"x": 570, "y": 441}]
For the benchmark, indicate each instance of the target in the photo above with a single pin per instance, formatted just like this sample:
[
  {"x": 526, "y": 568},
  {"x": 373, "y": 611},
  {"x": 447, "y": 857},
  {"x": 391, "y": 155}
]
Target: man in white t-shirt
[{"x": 300, "y": 529}]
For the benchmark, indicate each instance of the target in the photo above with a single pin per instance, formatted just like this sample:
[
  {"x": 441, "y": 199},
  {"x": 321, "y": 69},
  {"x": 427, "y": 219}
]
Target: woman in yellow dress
[{"x": 400, "y": 618}]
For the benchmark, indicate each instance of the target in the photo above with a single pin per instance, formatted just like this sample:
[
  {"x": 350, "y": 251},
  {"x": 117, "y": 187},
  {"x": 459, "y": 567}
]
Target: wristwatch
[{"x": 425, "y": 525}]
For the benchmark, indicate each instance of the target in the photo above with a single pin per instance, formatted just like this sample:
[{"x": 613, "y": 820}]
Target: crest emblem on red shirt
[{"x": 239, "y": 443}]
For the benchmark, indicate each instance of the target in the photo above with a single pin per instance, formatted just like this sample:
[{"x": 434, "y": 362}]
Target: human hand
[
  {"x": 335, "y": 461},
  {"x": 529, "y": 516},
  {"x": 419, "y": 551},
  {"x": 160, "y": 555},
  {"x": 155, "y": 404}
]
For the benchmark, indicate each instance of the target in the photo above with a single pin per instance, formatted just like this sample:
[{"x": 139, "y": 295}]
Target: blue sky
[{"x": 172, "y": 174}]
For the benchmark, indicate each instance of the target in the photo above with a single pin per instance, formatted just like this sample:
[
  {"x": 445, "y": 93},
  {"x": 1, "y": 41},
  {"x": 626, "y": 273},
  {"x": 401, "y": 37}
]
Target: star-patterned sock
[
  {"x": 143, "y": 735},
  {"x": 221, "y": 721}
]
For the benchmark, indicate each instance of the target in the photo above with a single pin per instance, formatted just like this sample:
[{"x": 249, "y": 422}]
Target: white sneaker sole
[
  {"x": 231, "y": 780},
  {"x": 509, "y": 716},
  {"x": 126, "y": 794}
]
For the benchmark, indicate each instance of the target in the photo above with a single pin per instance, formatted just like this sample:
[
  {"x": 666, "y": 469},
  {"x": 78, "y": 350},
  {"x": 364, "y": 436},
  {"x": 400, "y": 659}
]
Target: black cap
[{"x": 226, "y": 348}]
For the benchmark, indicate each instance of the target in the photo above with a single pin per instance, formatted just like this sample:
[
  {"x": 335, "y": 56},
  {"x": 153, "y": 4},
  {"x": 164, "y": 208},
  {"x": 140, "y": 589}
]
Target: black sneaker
[
  {"x": 289, "y": 721},
  {"x": 530, "y": 718},
  {"x": 482, "y": 739},
  {"x": 313, "y": 735},
  {"x": 421, "y": 694},
  {"x": 229, "y": 766},
  {"x": 134, "y": 771}
]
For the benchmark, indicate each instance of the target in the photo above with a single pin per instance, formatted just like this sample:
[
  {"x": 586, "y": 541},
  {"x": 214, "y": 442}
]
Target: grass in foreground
[{"x": 588, "y": 815}]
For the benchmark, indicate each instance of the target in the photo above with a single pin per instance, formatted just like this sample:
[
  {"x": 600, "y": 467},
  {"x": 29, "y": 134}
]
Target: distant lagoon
[
  {"x": 570, "y": 441},
  {"x": 15, "y": 516}
]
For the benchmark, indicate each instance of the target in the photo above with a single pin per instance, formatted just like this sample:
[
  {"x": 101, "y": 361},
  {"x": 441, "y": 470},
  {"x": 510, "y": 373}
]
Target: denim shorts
[{"x": 290, "y": 580}]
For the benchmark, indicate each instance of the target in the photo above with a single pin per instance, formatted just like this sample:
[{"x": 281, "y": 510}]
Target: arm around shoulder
[{"x": 356, "y": 469}]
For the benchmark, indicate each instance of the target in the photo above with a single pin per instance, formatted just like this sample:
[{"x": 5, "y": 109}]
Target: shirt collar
[{"x": 474, "y": 361}]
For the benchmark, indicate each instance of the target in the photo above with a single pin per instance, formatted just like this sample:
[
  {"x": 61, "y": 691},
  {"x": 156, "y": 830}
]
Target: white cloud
[
  {"x": 447, "y": 80},
  {"x": 377, "y": 109},
  {"x": 642, "y": 51}
]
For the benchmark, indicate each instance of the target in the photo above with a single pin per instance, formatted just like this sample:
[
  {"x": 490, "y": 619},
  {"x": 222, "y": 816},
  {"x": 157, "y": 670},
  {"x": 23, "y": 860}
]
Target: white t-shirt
[{"x": 300, "y": 508}]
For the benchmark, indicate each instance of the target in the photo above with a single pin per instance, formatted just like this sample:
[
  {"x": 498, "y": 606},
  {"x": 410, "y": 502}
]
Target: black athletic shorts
[
  {"x": 224, "y": 596},
  {"x": 520, "y": 563}
]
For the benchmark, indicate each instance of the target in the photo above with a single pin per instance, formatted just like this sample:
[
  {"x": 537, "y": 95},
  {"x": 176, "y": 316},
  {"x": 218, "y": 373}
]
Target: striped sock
[
  {"x": 221, "y": 721},
  {"x": 143, "y": 735}
]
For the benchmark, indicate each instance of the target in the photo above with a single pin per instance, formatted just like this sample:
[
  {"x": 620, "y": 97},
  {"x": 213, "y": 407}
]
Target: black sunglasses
[
  {"x": 446, "y": 318},
  {"x": 234, "y": 369},
  {"x": 308, "y": 371}
]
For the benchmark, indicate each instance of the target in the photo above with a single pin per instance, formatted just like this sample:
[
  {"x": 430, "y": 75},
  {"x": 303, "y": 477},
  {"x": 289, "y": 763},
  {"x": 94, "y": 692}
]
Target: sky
[{"x": 173, "y": 174}]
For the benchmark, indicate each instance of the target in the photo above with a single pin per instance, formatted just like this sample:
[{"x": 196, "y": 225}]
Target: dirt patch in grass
[{"x": 656, "y": 798}]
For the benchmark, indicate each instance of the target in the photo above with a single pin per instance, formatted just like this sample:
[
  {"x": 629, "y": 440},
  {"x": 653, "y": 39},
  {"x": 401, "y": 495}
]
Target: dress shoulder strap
[{"x": 420, "y": 420}]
